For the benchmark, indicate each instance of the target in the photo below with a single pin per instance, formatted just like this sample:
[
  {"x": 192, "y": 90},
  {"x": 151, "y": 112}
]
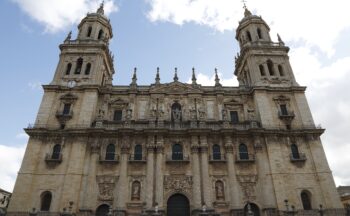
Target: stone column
[
  {"x": 150, "y": 172},
  {"x": 206, "y": 184},
  {"x": 196, "y": 174},
  {"x": 160, "y": 172},
  {"x": 90, "y": 187},
  {"x": 123, "y": 175},
  {"x": 232, "y": 181}
]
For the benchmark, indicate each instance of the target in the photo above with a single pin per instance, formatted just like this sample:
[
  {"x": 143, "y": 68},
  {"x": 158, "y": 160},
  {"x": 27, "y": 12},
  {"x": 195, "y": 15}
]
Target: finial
[
  {"x": 280, "y": 39},
  {"x": 69, "y": 36},
  {"x": 246, "y": 11},
  {"x": 194, "y": 79},
  {"x": 157, "y": 76},
  {"x": 175, "y": 75},
  {"x": 100, "y": 10},
  {"x": 134, "y": 78},
  {"x": 217, "y": 79}
]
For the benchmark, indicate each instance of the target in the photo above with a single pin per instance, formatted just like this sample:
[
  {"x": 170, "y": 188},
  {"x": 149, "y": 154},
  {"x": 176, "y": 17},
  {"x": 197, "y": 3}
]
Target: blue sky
[{"x": 168, "y": 34}]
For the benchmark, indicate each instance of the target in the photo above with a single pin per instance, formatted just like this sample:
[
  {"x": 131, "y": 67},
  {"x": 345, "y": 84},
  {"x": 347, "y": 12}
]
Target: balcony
[
  {"x": 286, "y": 115},
  {"x": 110, "y": 160},
  {"x": 137, "y": 158},
  {"x": 213, "y": 158},
  {"x": 53, "y": 158},
  {"x": 62, "y": 116},
  {"x": 300, "y": 157},
  {"x": 245, "y": 158},
  {"x": 178, "y": 158}
]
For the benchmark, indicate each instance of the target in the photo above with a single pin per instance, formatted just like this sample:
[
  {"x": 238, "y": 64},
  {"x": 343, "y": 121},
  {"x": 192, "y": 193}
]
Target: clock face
[{"x": 71, "y": 84}]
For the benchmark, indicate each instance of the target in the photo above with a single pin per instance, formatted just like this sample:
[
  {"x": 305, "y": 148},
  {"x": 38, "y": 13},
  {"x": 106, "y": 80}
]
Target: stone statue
[
  {"x": 176, "y": 114},
  {"x": 219, "y": 190},
  {"x": 136, "y": 191},
  {"x": 224, "y": 114},
  {"x": 201, "y": 113}
]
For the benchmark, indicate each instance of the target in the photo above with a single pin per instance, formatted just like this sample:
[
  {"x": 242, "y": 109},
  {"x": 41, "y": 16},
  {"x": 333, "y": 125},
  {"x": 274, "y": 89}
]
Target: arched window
[
  {"x": 216, "y": 152},
  {"x": 295, "y": 151},
  {"x": 135, "y": 190},
  {"x": 243, "y": 152},
  {"x": 305, "y": 199},
  {"x": 110, "y": 152},
  {"x": 259, "y": 33},
  {"x": 249, "y": 36},
  {"x": 46, "y": 198},
  {"x": 56, "y": 152},
  {"x": 89, "y": 32},
  {"x": 68, "y": 68},
  {"x": 280, "y": 70},
  {"x": 100, "y": 34},
  {"x": 262, "y": 70},
  {"x": 177, "y": 153},
  {"x": 138, "y": 152},
  {"x": 219, "y": 189},
  {"x": 87, "y": 68},
  {"x": 176, "y": 114},
  {"x": 79, "y": 65},
  {"x": 270, "y": 67}
]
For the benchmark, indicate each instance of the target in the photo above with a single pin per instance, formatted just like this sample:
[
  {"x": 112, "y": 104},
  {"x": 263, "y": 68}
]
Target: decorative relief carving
[
  {"x": 178, "y": 184},
  {"x": 248, "y": 183},
  {"x": 106, "y": 184}
]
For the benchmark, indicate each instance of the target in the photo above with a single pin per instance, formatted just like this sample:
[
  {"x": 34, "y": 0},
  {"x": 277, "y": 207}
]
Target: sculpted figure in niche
[
  {"x": 219, "y": 188},
  {"x": 176, "y": 113},
  {"x": 136, "y": 189},
  {"x": 224, "y": 114},
  {"x": 201, "y": 113}
]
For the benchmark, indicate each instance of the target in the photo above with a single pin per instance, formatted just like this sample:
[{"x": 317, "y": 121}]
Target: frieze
[
  {"x": 106, "y": 184},
  {"x": 178, "y": 184},
  {"x": 248, "y": 183}
]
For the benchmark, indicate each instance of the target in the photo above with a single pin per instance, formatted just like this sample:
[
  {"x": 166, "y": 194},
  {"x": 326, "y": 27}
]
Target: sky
[{"x": 168, "y": 34}]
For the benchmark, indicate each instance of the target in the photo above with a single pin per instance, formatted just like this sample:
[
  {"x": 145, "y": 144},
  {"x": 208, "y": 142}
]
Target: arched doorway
[
  {"x": 102, "y": 210},
  {"x": 177, "y": 205},
  {"x": 253, "y": 207}
]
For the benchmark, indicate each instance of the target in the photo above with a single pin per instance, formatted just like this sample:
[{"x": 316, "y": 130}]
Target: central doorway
[{"x": 178, "y": 205}]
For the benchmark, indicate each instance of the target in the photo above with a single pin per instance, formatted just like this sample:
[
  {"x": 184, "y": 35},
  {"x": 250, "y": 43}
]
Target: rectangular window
[
  {"x": 118, "y": 115},
  {"x": 66, "y": 109},
  {"x": 284, "y": 110},
  {"x": 234, "y": 117}
]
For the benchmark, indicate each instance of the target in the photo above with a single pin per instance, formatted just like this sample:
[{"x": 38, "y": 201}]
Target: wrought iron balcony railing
[
  {"x": 177, "y": 158},
  {"x": 300, "y": 157},
  {"x": 109, "y": 158},
  {"x": 137, "y": 158},
  {"x": 245, "y": 157},
  {"x": 217, "y": 158}
]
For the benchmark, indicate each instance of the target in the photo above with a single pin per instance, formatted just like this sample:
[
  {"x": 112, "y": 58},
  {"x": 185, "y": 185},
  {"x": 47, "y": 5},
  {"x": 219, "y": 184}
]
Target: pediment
[{"x": 175, "y": 88}]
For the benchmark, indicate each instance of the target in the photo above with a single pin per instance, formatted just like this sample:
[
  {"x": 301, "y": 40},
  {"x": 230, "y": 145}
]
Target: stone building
[
  {"x": 5, "y": 197},
  {"x": 174, "y": 148}
]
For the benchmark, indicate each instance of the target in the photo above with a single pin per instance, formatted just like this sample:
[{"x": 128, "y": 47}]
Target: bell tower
[
  {"x": 261, "y": 62},
  {"x": 87, "y": 59}
]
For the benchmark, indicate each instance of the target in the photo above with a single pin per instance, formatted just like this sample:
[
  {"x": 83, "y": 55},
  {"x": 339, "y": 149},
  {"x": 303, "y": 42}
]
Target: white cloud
[
  {"x": 22, "y": 135},
  {"x": 35, "y": 85},
  {"x": 55, "y": 15},
  {"x": 10, "y": 162},
  {"x": 317, "y": 23}
]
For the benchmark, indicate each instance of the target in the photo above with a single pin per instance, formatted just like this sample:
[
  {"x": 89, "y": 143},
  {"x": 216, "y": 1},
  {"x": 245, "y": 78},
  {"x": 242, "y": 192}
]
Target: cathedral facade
[{"x": 173, "y": 148}]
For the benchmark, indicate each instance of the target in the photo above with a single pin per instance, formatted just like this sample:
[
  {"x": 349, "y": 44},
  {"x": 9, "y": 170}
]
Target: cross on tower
[{"x": 244, "y": 4}]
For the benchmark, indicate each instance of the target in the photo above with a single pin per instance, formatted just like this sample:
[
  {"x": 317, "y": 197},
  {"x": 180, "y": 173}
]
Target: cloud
[
  {"x": 35, "y": 85},
  {"x": 313, "y": 22},
  {"x": 56, "y": 15},
  {"x": 10, "y": 162},
  {"x": 22, "y": 135}
]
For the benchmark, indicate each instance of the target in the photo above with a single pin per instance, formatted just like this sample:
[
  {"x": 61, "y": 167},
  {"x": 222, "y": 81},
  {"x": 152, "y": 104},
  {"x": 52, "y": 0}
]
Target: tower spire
[
  {"x": 217, "y": 79},
  {"x": 194, "y": 79},
  {"x": 134, "y": 78},
  {"x": 157, "y": 77},
  {"x": 175, "y": 76}
]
